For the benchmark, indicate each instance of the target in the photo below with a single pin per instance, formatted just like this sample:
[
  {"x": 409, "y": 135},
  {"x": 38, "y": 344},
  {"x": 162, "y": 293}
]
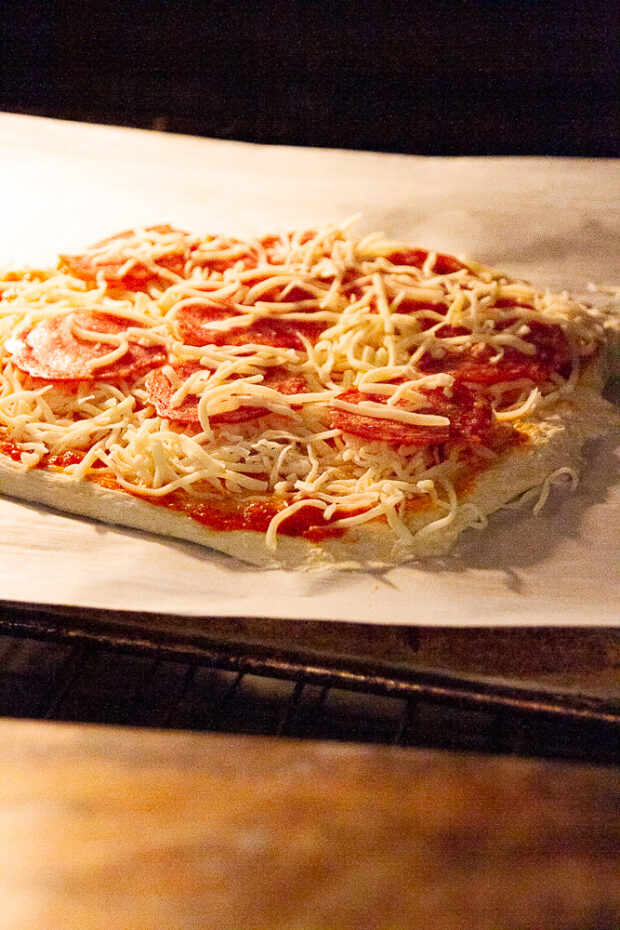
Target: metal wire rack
[{"x": 125, "y": 680}]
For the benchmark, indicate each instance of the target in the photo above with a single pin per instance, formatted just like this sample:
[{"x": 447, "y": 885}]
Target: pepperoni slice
[
  {"x": 552, "y": 347},
  {"x": 413, "y": 305},
  {"x": 272, "y": 245},
  {"x": 415, "y": 258},
  {"x": 471, "y": 419},
  {"x": 273, "y": 249},
  {"x": 473, "y": 364},
  {"x": 474, "y": 367},
  {"x": 241, "y": 252},
  {"x": 278, "y": 332},
  {"x": 160, "y": 392},
  {"x": 138, "y": 277},
  {"x": 285, "y": 294},
  {"x": 276, "y": 251},
  {"x": 192, "y": 322},
  {"x": 52, "y": 351},
  {"x": 508, "y": 302}
]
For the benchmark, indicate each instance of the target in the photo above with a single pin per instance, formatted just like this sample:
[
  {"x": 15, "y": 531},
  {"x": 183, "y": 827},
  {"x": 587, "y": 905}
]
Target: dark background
[{"x": 437, "y": 77}]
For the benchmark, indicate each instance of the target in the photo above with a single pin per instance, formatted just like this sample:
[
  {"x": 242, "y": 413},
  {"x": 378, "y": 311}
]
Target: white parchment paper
[{"x": 553, "y": 221}]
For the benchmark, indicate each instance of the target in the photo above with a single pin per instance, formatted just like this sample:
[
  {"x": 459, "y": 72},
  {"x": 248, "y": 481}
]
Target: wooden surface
[{"x": 109, "y": 828}]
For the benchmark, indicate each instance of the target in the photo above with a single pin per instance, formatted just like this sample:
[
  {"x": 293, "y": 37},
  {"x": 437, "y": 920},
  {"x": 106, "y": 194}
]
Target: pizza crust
[{"x": 555, "y": 441}]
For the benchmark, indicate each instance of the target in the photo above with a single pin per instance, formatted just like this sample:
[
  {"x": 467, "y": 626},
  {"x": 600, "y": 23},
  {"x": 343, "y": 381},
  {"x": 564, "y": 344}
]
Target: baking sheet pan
[
  {"x": 553, "y": 221},
  {"x": 563, "y": 676}
]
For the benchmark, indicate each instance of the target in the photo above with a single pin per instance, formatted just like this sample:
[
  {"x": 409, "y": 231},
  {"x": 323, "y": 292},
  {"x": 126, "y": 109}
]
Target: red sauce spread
[
  {"x": 231, "y": 515},
  {"x": 61, "y": 460},
  {"x": 234, "y": 514},
  {"x": 11, "y": 449}
]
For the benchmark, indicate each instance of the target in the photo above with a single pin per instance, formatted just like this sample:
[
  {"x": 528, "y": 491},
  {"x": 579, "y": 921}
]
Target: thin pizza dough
[{"x": 300, "y": 400}]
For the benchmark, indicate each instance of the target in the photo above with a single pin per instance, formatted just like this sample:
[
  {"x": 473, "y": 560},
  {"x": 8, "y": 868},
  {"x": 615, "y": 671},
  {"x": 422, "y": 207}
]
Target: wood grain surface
[{"x": 110, "y": 828}]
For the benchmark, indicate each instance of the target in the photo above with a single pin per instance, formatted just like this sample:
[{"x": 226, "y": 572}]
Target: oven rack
[{"x": 54, "y": 667}]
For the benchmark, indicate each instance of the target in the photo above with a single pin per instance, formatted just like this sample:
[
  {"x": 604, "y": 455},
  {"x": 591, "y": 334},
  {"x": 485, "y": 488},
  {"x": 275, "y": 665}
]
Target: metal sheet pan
[{"x": 565, "y": 675}]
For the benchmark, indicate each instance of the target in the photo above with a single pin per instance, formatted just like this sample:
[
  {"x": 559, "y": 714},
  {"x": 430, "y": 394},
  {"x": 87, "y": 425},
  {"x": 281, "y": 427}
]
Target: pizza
[{"x": 306, "y": 399}]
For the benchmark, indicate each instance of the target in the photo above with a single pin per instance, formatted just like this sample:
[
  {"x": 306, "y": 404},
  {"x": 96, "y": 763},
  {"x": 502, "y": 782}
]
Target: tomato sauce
[
  {"x": 11, "y": 449},
  {"x": 62, "y": 459},
  {"x": 14, "y": 451},
  {"x": 256, "y": 515},
  {"x": 230, "y": 515}
]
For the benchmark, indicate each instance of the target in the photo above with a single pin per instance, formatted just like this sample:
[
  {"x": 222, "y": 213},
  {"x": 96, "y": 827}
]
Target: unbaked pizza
[{"x": 304, "y": 399}]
